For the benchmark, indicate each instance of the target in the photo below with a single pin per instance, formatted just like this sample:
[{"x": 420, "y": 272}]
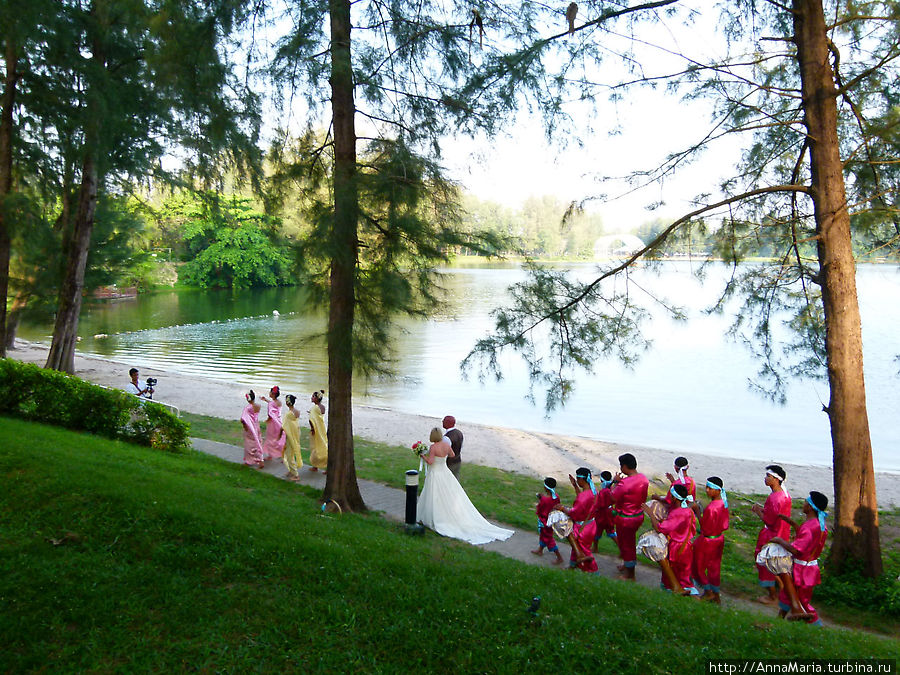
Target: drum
[
  {"x": 560, "y": 523},
  {"x": 658, "y": 509},
  {"x": 775, "y": 558},
  {"x": 654, "y": 545}
]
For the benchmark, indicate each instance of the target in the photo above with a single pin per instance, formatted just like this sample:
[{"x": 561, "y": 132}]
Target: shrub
[
  {"x": 48, "y": 396},
  {"x": 851, "y": 588}
]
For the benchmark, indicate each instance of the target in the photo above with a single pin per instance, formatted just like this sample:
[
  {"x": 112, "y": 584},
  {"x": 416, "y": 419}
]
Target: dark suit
[{"x": 455, "y": 436}]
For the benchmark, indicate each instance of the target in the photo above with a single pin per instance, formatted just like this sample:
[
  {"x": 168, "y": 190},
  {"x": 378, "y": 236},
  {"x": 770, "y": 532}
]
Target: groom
[{"x": 455, "y": 436}]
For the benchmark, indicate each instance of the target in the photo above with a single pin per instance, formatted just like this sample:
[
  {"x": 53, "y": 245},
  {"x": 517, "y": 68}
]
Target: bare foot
[
  {"x": 313, "y": 468},
  {"x": 621, "y": 568},
  {"x": 558, "y": 561},
  {"x": 766, "y": 600},
  {"x": 540, "y": 551}
]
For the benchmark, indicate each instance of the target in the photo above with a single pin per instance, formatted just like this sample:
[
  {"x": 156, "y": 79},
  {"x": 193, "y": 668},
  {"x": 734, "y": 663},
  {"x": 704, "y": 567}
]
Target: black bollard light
[{"x": 412, "y": 497}]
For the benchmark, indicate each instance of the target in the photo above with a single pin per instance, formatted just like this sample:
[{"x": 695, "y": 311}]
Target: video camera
[{"x": 151, "y": 382}]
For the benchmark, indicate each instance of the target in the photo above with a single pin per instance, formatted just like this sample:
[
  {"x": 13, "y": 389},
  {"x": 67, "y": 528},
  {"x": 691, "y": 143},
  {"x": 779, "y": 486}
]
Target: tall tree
[
  {"x": 818, "y": 100},
  {"x": 135, "y": 80},
  {"x": 403, "y": 63}
]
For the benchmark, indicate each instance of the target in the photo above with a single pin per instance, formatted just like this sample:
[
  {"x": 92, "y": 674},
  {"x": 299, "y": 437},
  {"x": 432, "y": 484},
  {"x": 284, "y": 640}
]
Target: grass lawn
[
  {"x": 509, "y": 498},
  {"x": 115, "y": 557}
]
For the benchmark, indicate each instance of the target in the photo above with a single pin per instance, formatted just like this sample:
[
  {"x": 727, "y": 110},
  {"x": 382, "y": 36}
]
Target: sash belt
[
  {"x": 627, "y": 515},
  {"x": 807, "y": 563}
]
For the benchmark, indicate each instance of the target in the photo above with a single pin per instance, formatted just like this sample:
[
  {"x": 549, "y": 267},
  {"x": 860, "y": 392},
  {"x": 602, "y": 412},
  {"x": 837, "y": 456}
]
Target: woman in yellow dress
[
  {"x": 293, "y": 460},
  {"x": 318, "y": 438}
]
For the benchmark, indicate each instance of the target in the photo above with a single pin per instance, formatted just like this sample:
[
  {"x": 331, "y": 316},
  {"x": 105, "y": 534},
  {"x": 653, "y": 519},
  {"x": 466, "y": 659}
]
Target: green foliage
[
  {"x": 52, "y": 397},
  {"x": 231, "y": 245},
  {"x": 854, "y": 589},
  {"x": 195, "y": 560},
  {"x": 409, "y": 225}
]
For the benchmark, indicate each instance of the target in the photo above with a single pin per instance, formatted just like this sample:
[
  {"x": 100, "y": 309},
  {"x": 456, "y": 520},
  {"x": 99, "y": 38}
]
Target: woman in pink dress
[
  {"x": 273, "y": 448},
  {"x": 253, "y": 454}
]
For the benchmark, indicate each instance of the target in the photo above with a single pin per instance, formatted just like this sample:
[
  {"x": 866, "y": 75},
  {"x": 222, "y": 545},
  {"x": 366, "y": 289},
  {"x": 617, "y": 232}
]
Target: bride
[{"x": 444, "y": 506}]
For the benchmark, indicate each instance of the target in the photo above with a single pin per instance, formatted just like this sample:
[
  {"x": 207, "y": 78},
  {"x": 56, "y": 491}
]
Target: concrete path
[{"x": 391, "y": 502}]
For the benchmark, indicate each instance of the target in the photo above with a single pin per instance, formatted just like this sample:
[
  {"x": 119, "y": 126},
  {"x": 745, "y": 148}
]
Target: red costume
[
  {"x": 679, "y": 527},
  {"x": 544, "y": 507},
  {"x": 603, "y": 516},
  {"x": 582, "y": 513},
  {"x": 773, "y": 526},
  {"x": 689, "y": 483},
  {"x": 810, "y": 541},
  {"x": 628, "y": 498},
  {"x": 709, "y": 546}
]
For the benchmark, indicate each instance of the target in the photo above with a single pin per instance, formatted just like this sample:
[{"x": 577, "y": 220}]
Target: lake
[{"x": 688, "y": 393}]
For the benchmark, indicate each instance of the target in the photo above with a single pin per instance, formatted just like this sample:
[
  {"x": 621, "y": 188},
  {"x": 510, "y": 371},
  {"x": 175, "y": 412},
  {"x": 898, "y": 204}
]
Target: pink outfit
[
  {"x": 708, "y": 547},
  {"x": 274, "y": 445},
  {"x": 679, "y": 527},
  {"x": 628, "y": 498},
  {"x": 582, "y": 512},
  {"x": 252, "y": 447},
  {"x": 773, "y": 526},
  {"x": 810, "y": 542},
  {"x": 544, "y": 507},
  {"x": 689, "y": 483},
  {"x": 603, "y": 513}
]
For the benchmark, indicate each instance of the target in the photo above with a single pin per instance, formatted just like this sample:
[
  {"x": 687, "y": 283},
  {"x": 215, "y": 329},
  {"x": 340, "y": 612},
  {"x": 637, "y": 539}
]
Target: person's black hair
[
  {"x": 252, "y": 396},
  {"x": 319, "y": 395},
  {"x": 681, "y": 462},
  {"x": 819, "y": 500},
  {"x": 717, "y": 481},
  {"x": 583, "y": 472},
  {"x": 275, "y": 391},
  {"x": 681, "y": 490},
  {"x": 133, "y": 371},
  {"x": 774, "y": 468},
  {"x": 605, "y": 475},
  {"x": 290, "y": 399},
  {"x": 628, "y": 460},
  {"x": 550, "y": 482}
]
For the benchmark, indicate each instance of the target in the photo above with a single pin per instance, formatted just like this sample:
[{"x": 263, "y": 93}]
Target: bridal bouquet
[{"x": 419, "y": 448}]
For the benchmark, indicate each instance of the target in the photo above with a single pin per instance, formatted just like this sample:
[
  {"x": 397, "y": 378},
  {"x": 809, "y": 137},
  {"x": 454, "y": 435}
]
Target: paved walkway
[{"x": 391, "y": 502}]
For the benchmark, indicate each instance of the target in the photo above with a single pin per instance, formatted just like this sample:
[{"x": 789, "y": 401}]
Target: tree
[
  {"x": 813, "y": 170},
  {"x": 404, "y": 64},
  {"x": 231, "y": 245},
  {"x": 113, "y": 85}
]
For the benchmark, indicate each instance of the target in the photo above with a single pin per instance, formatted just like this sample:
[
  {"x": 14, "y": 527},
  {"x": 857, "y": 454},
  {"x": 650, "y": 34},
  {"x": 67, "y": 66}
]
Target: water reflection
[{"x": 689, "y": 392}]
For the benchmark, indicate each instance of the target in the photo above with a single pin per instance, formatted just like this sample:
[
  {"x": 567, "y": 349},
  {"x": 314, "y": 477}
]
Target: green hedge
[{"x": 48, "y": 396}]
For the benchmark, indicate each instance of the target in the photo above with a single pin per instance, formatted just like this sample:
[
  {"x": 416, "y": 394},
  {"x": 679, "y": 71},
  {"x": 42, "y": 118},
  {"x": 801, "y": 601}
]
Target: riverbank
[{"x": 532, "y": 453}]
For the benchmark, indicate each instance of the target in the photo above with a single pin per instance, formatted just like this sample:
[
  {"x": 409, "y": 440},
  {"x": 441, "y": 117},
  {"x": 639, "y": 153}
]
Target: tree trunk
[
  {"x": 855, "y": 536},
  {"x": 341, "y": 485},
  {"x": 65, "y": 330},
  {"x": 6, "y": 135},
  {"x": 13, "y": 316}
]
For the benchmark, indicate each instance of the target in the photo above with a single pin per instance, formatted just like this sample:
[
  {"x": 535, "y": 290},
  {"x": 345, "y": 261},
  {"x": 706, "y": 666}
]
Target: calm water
[{"x": 689, "y": 392}]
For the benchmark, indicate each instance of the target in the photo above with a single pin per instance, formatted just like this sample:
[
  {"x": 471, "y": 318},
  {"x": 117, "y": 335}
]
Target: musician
[
  {"x": 582, "y": 514},
  {"x": 679, "y": 526},
  {"x": 710, "y": 543},
  {"x": 806, "y": 549},
  {"x": 546, "y": 503},
  {"x": 680, "y": 477},
  {"x": 603, "y": 509},
  {"x": 778, "y": 503},
  {"x": 628, "y": 496}
]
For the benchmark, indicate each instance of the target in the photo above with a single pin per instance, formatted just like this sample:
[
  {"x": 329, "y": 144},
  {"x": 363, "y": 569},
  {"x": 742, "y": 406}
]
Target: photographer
[{"x": 134, "y": 386}]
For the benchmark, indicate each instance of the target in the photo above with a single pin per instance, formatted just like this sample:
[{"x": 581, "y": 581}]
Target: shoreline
[{"x": 532, "y": 453}]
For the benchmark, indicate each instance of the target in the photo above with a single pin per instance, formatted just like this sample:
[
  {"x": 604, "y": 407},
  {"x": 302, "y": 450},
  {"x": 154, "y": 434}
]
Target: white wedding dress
[{"x": 445, "y": 508}]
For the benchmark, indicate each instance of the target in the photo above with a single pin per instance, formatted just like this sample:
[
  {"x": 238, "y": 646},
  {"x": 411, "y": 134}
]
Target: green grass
[
  {"x": 509, "y": 498},
  {"x": 118, "y": 558}
]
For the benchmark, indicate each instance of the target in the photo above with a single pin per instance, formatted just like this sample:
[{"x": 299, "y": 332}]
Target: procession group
[{"x": 687, "y": 538}]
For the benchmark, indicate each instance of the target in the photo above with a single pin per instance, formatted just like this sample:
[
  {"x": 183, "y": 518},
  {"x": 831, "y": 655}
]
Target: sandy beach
[{"x": 537, "y": 454}]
